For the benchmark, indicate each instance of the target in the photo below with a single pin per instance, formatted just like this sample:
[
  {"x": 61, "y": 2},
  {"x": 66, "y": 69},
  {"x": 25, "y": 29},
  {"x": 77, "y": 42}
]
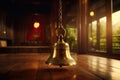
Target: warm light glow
[
  {"x": 92, "y": 13},
  {"x": 3, "y": 43},
  {"x": 36, "y": 24},
  {"x": 4, "y": 32},
  {"x": 74, "y": 76}
]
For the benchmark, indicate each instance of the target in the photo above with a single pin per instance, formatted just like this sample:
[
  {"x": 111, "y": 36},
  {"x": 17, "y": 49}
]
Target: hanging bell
[{"x": 61, "y": 54}]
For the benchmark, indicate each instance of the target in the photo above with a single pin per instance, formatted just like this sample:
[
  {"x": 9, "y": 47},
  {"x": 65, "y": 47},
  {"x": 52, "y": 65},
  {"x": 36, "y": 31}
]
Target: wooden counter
[{"x": 32, "y": 67}]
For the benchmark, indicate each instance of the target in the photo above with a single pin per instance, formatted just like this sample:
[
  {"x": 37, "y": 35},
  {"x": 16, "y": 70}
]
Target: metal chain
[
  {"x": 60, "y": 13},
  {"x": 60, "y": 29}
]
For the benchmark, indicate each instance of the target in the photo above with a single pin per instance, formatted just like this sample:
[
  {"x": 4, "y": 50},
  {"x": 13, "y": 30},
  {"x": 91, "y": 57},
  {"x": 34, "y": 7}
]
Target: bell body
[{"x": 61, "y": 55}]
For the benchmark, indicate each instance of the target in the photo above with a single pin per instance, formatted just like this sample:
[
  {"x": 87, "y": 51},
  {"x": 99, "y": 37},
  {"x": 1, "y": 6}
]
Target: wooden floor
[{"x": 32, "y": 67}]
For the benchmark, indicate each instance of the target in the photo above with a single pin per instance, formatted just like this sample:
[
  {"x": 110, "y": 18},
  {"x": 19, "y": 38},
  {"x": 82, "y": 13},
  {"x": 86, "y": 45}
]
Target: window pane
[
  {"x": 70, "y": 23},
  {"x": 71, "y": 37},
  {"x": 116, "y": 26},
  {"x": 97, "y": 25}
]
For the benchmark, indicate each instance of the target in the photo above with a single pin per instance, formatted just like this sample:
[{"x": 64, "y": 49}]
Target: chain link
[
  {"x": 60, "y": 29},
  {"x": 60, "y": 12}
]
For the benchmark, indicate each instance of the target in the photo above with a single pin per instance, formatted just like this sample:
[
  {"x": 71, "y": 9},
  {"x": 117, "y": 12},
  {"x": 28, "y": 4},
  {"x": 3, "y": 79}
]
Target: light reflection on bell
[{"x": 61, "y": 54}]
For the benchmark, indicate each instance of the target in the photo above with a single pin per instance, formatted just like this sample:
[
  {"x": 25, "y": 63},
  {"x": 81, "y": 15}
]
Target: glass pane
[
  {"x": 70, "y": 23},
  {"x": 97, "y": 25},
  {"x": 71, "y": 37},
  {"x": 116, "y": 26}
]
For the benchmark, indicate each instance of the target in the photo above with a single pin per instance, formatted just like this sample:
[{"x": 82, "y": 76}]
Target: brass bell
[{"x": 61, "y": 54}]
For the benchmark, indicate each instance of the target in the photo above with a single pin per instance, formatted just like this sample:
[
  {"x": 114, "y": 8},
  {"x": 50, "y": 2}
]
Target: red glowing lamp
[{"x": 36, "y": 24}]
